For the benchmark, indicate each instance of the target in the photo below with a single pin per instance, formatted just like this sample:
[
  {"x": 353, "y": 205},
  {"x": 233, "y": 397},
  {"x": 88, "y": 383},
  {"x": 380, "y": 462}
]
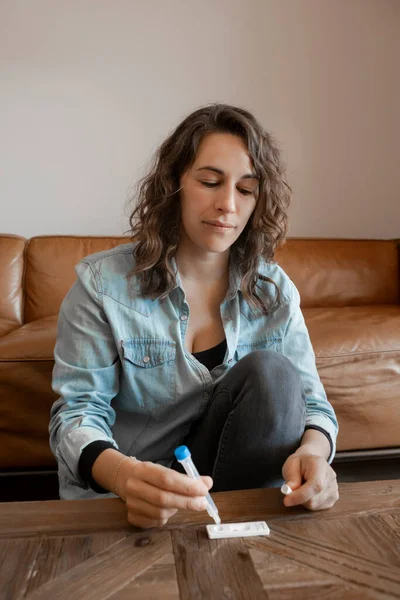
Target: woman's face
[{"x": 218, "y": 194}]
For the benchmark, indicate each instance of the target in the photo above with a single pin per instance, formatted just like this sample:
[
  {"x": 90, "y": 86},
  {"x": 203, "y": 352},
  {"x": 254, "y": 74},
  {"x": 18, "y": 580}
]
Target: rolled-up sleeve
[
  {"x": 298, "y": 348},
  {"x": 85, "y": 375}
]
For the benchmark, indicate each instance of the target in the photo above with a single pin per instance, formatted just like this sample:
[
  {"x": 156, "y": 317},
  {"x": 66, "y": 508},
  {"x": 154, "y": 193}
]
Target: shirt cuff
[
  {"x": 71, "y": 447},
  {"x": 87, "y": 459},
  {"x": 326, "y": 426},
  {"x": 326, "y": 434}
]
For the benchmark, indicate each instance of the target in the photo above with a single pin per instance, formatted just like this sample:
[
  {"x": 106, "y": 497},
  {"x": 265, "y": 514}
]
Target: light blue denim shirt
[{"x": 123, "y": 374}]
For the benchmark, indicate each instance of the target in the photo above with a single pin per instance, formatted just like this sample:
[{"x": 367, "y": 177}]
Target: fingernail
[
  {"x": 286, "y": 489},
  {"x": 201, "y": 504}
]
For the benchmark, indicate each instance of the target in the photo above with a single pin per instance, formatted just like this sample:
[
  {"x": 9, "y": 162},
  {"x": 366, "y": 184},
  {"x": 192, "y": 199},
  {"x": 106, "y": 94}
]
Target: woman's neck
[{"x": 203, "y": 268}]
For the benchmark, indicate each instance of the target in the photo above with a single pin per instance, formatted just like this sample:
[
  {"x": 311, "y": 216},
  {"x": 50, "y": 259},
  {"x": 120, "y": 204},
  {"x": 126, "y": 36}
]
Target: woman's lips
[{"x": 219, "y": 226}]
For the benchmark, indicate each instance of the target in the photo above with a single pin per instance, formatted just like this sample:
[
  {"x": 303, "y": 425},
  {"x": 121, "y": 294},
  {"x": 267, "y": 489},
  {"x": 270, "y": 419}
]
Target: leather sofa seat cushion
[
  {"x": 6, "y": 326},
  {"x": 358, "y": 359},
  {"x": 25, "y": 401},
  {"x": 26, "y": 365},
  {"x": 32, "y": 342}
]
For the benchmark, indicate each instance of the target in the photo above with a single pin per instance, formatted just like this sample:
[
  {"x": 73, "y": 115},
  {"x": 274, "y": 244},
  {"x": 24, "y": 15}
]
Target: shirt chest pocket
[
  {"x": 273, "y": 344},
  {"x": 150, "y": 368}
]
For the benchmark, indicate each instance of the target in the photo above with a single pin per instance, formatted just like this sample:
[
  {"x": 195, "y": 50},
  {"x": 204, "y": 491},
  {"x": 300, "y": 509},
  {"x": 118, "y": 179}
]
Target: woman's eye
[
  {"x": 213, "y": 184},
  {"x": 210, "y": 183}
]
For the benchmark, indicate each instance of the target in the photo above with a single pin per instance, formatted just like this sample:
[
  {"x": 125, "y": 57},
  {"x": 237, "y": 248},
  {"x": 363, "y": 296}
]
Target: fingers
[
  {"x": 145, "y": 522},
  {"x": 303, "y": 494},
  {"x": 323, "y": 501},
  {"x": 162, "y": 498},
  {"x": 154, "y": 493},
  {"x": 291, "y": 472},
  {"x": 207, "y": 481},
  {"x": 140, "y": 508},
  {"x": 169, "y": 480},
  {"x": 319, "y": 490}
]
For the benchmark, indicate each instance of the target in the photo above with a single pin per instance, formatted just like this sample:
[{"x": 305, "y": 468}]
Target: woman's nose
[{"x": 226, "y": 199}]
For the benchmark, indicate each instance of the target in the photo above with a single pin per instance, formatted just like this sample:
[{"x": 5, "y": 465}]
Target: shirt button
[
  {"x": 230, "y": 360},
  {"x": 146, "y": 359},
  {"x": 184, "y": 318}
]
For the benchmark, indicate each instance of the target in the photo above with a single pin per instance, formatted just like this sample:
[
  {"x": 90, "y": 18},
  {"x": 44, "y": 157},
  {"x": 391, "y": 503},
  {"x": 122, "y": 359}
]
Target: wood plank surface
[
  {"x": 273, "y": 569},
  {"x": 392, "y": 520},
  {"x": 371, "y": 535},
  {"x": 323, "y": 556},
  {"x": 286, "y": 579},
  {"x": 88, "y": 551},
  {"x": 323, "y": 592},
  {"x": 57, "y": 555},
  {"x": 17, "y": 562},
  {"x": 214, "y": 569},
  {"x": 158, "y": 582},
  {"x": 57, "y": 517},
  {"x": 103, "y": 575}
]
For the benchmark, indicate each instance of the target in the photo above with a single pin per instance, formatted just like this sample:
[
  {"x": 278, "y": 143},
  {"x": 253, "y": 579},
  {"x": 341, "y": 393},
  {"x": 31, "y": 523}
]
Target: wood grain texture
[
  {"x": 346, "y": 565},
  {"x": 57, "y": 555},
  {"x": 86, "y": 550},
  {"x": 276, "y": 571},
  {"x": 106, "y": 573},
  {"x": 392, "y": 520},
  {"x": 214, "y": 569},
  {"x": 57, "y": 517},
  {"x": 370, "y": 535},
  {"x": 104, "y": 539},
  {"x": 159, "y": 581},
  {"x": 17, "y": 562},
  {"x": 325, "y": 592},
  {"x": 286, "y": 579}
]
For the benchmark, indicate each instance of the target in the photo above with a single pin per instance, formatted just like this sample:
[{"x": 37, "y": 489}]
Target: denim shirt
[{"x": 123, "y": 374}]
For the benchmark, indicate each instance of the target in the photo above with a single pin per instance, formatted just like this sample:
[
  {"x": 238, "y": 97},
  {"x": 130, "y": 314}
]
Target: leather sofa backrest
[
  {"x": 326, "y": 272},
  {"x": 50, "y": 262},
  {"x": 342, "y": 272},
  {"x": 11, "y": 273}
]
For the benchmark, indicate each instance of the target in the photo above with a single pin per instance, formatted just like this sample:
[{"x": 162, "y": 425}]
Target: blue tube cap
[{"x": 182, "y": 452}]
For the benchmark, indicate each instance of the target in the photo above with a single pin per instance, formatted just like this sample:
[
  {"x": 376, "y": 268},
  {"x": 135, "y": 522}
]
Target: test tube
[{"x": 185, "y": 458}]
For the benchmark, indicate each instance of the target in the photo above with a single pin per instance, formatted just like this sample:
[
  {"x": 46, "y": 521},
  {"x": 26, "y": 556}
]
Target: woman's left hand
[{"x": 312, "y": 480}]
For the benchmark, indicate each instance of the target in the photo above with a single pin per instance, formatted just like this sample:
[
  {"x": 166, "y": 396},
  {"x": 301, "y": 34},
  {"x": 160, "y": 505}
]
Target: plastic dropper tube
[{"x": 185, "y": 458}]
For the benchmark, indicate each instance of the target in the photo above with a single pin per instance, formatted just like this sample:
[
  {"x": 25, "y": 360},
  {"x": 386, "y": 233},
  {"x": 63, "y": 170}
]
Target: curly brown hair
[{"x": 155, "y": 221}]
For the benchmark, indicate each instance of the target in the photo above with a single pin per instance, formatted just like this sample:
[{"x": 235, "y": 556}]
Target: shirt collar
[{"x": 235, "y": 281}]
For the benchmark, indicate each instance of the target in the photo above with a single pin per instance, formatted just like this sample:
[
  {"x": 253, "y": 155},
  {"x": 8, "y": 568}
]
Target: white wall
[{"x": 88, "y": 88}]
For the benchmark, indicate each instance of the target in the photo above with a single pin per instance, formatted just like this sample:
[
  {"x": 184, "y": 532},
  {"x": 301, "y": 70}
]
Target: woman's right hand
[{"x": 153, "y": 493}]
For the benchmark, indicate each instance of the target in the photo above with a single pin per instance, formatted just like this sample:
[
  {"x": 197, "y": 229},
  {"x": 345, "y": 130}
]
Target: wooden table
[{"x": 85, "y": 550}]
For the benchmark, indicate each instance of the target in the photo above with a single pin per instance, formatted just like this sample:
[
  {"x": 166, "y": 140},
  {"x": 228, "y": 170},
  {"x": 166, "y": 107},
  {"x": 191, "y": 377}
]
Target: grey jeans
[{"x": 254, "y": 421}]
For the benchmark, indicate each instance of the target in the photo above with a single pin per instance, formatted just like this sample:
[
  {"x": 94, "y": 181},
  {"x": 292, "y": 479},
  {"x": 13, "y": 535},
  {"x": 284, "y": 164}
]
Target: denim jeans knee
[{"x": 265, "y": 375}]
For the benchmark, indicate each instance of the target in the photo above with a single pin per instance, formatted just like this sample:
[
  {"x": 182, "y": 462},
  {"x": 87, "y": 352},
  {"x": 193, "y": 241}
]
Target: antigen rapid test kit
[{"x": 227, "y": 530}]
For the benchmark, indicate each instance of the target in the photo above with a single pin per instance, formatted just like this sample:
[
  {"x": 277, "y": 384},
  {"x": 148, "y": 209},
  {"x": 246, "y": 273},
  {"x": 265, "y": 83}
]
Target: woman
[{"x": 193, "y": 334}]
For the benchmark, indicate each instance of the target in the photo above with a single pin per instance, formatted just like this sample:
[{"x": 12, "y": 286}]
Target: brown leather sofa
[{"x": 350, "y": 293}]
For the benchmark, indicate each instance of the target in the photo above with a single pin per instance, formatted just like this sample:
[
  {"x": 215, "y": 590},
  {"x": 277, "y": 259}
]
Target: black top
[{"x": 213, "y": 356}]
